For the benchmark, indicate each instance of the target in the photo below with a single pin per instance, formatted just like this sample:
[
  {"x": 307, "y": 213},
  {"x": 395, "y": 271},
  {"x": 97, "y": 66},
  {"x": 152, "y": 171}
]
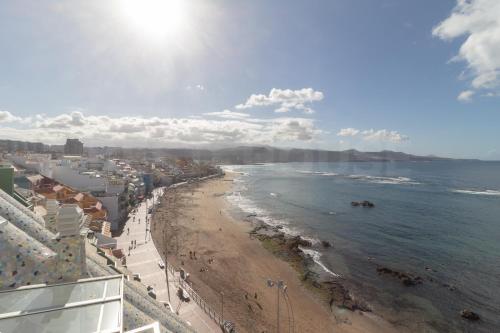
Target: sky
[{"x": 421, "y": 77}]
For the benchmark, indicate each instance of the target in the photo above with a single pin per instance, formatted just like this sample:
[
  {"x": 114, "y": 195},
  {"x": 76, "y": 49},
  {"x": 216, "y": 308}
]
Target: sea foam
[
  {"x": 367, "y": 178},
  {"x": 316, "y": 257},
  {"x": 478, "y": 192}
]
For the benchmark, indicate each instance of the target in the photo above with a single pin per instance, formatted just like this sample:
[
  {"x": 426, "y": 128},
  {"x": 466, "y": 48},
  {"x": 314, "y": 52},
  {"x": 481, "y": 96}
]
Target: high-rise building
[
  {"x": 7, "y": 178},
  {"x": 73, "y": 147}
]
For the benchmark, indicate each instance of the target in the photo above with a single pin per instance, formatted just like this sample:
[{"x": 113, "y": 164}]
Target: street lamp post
[
  {"x": 278, "y": 310},
  {"x": 166, "y": 260},
  {"x": 146, "y": 223},
  {"x": 222, "y": 310},
  {"x": 280, "y": 285}
]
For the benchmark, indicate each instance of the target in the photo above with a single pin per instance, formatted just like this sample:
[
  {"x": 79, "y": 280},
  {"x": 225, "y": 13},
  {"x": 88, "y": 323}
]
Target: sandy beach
[{"x": 225, "y": 258}]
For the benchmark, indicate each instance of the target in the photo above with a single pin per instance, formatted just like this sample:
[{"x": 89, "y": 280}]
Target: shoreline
[{"x": 231, "y": 256}]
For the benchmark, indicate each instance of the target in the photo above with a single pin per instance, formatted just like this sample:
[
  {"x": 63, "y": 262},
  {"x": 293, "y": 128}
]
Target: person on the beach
[{"x": 128, "y": 231}]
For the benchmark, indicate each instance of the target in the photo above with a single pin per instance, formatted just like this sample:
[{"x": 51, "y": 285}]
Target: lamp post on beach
[
  {"x": 166, "y": 261},
  {"x": 280, "y": 285},
  {"x": 222, "y": 310}
]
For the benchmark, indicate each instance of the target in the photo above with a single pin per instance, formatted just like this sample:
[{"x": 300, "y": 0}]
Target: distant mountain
[
  {"x": 235, "y": 155},
  {"x": 245, "y": 155},
  {"x": 251, "y": 155}
]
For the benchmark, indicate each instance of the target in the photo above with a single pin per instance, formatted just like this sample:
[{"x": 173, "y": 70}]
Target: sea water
[{"x": 439, "y": 220}]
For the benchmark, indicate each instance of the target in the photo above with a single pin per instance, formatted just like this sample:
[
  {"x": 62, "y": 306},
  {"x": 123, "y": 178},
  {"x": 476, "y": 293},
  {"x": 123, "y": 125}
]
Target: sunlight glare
[{"x": 158, "y": 19}]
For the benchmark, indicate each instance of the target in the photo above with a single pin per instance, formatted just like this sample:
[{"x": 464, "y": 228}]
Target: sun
[{"x": 156, "y": 19}]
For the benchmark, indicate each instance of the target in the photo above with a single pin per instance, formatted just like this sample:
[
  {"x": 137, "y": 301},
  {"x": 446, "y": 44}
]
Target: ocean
[{"x": 439, "y": 220}]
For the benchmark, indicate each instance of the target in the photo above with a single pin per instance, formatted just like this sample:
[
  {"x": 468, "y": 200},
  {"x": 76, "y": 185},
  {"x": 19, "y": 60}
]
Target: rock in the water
[
  {"x": 326, "y": 243},
  {"x": 367, "y": 204},
  {"x": 340, "y": 296},
  {"x": 405, "y": 278},
  {"x": 364, "y": 203},
  {"x": 468, "y": 314},
  {"x": 297, "y": 241}
]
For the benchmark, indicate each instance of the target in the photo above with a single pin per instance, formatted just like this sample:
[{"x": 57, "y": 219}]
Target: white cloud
[
  {"x": 228, "y": 128},
  {"x": 381, "y": 135},
  {"x": 7, "y": 117},
  {"x": 384, "y": 135},
  {"x": 228, "y": 114},
  {"x": 348, "y": 132},
  {"x": 285, "y": 100},
  {"x": 465, "y": 96},
  {"x": 479, "y": 21}
]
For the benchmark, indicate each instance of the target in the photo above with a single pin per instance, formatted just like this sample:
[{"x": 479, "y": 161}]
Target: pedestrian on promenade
[{"x": 128, "y": 231}]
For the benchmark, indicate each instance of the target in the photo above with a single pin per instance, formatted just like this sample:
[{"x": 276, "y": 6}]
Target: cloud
[
  {"x": 348, "y": 132},
  {"x": 479, "y": 21},
  {"x": 228, "y": 114},
  {"x": 465, "y": 96},
  {"x": 384, "y": 135},
  {"x": 285, "y": 100},
  {"x": 7, "y": 117},
  {"x": 227, "y": 128},
  {"x": 74, "y": 119}
]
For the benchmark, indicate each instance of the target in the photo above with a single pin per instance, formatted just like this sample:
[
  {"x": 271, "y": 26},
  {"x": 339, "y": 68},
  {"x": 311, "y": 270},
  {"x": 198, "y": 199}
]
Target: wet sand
[{"x": 196, "y": 218}]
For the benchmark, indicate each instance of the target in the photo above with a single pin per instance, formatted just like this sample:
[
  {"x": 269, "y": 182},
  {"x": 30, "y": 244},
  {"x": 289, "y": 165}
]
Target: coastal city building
[
  {"x": 7, "y": 178},
  {"x": 73, "y": 147}
]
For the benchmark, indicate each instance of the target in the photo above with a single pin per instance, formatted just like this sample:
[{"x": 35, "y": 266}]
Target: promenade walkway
[{"x": 144, "y": 258}]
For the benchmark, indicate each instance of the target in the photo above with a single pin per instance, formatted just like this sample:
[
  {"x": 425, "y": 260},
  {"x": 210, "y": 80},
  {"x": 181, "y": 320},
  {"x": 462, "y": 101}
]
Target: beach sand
[{"x": 196, "y": 218}]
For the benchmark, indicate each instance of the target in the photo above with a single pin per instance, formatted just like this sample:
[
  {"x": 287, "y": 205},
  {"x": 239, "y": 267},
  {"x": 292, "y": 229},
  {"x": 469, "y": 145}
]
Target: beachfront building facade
[{"x": 105, "y": 185}]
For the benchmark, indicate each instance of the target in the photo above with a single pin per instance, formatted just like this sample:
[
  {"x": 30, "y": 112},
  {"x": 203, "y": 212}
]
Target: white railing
[{"x": 201, "y": 302}]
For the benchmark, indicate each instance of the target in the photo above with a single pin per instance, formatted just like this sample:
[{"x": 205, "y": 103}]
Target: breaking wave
[
  {"x": 316, "y": 257},
  {"x": 371, "y": 179},
  {"x": 319, "y": 173},
  {"x": 384, "y": 180},
  {"x": 478, "y": 192}
]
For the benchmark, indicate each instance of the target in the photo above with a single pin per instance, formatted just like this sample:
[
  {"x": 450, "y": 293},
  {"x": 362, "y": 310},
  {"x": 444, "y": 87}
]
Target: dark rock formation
[
  {"x": 405, "y": 278},
  {"x": 326, "y": 243},
  {"x": 294, "y": 243},
  {"x": 469, "y": 315},
  {"x": 364, "y": 203},
  {"x": 340, "y": 296}
]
